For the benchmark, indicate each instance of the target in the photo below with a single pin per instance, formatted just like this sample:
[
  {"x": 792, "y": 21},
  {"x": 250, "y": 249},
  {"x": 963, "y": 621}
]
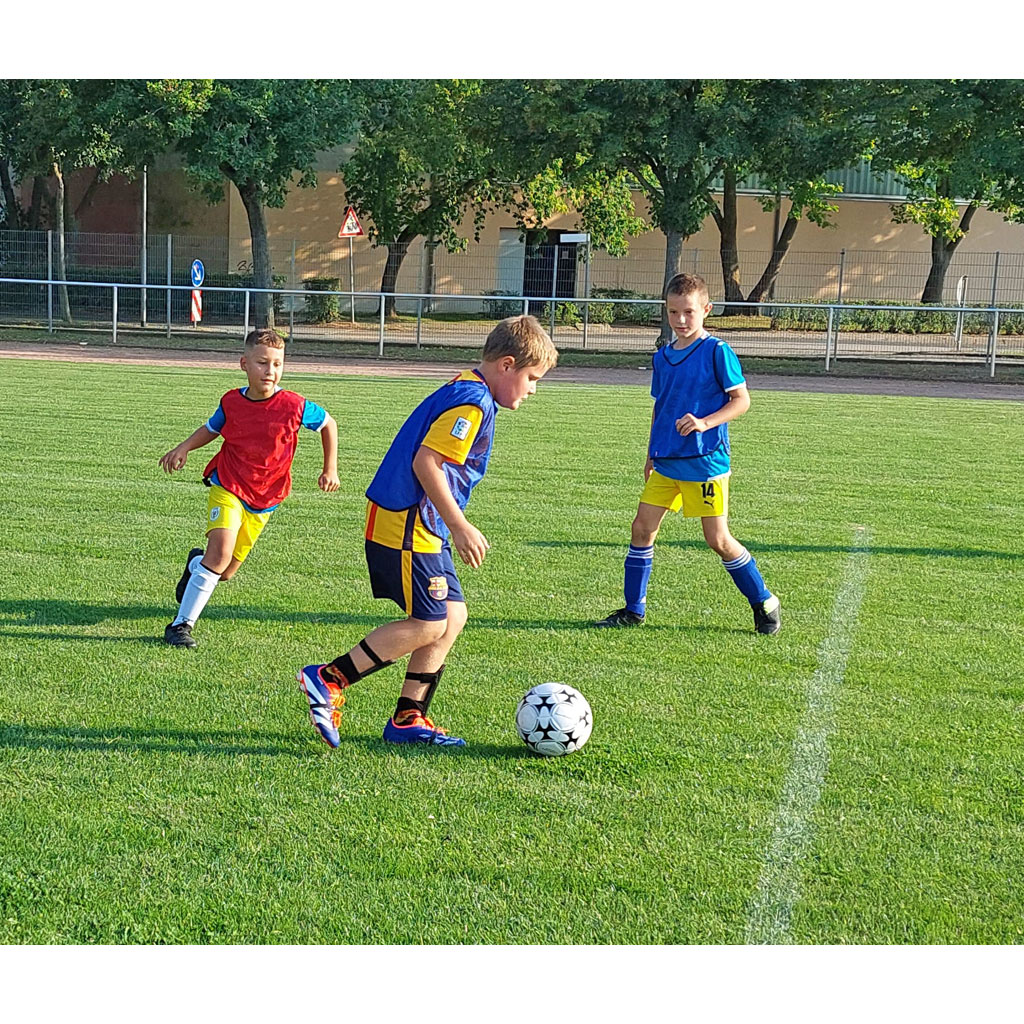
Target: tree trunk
[
  {"x": 396, "y": 254},
  {"x": 673, "y": 255},
  {"x": 35, "y": 206},
  {"x": 262, "y": 303},
  {"x": 62, "y": 266},
  {"x": 11, "y": 204},
  {"x": 942, "y": 253},
  {"x": 779, "y": 250},
  {"x": 86, "y": 201},
  {"x": 726, "y": 222}
]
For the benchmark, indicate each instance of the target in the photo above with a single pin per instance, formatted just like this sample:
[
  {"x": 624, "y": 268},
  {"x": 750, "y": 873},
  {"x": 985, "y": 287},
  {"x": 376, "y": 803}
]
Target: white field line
[{"x": 771, "y": 909}]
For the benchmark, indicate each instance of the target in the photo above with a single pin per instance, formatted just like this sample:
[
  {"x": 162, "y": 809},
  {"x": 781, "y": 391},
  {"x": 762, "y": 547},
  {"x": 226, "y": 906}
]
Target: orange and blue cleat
[
  {"x": 325, "y": 700},
  {"x": 417, "y": 728}
]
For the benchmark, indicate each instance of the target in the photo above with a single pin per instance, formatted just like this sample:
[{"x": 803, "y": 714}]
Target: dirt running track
[{"x": 440, "y": 371}]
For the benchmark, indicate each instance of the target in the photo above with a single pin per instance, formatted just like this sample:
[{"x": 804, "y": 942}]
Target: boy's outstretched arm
[
  {"x": 329, "y": 439},
  {"x": 738, "y": 404},
  {"x": 178, "y": 456},
  {"x": 470, "y": 543}
]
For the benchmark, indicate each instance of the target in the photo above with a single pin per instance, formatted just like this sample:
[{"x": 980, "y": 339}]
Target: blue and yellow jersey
[
  {"x": 696, "y": 379},
  {"x": 457, "y": 421}
]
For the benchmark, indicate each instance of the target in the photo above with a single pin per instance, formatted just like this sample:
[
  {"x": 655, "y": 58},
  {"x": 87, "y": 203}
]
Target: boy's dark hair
[
  {"x": 264, "y": 336},
  {"x": 524, "y": 338},
  {"x": 687, "y": 284}
]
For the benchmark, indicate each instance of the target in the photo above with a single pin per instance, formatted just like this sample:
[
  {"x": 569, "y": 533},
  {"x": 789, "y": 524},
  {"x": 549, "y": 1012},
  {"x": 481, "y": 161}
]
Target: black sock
[{"x": 343, "y": 672}]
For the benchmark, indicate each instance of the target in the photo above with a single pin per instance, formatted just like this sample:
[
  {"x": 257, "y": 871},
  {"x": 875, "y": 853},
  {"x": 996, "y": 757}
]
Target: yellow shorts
[
  {"x": 226, "y": 512},
  {"x": 696, "y": 498}
]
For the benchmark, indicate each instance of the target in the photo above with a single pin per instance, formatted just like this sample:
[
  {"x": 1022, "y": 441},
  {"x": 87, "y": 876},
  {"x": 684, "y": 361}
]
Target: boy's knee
[
  {"x": 457, "y": 617},
  {"x": 430, "y": 630},
  {"x": 641, "y": 534}
]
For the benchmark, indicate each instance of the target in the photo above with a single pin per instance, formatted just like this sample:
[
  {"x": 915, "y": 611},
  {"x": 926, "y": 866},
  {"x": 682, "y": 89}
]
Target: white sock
[{"x": 197, "y": 593}]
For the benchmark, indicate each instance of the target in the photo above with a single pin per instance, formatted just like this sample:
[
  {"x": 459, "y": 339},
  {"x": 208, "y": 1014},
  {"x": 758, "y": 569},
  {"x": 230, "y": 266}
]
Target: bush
[
  {"x": 322, "y": 309},
  {"x": 566, "y": 313},
  {"x": 630, "y": 312},
  {"x": 499, "y": 309},
  {"x": 601, "y": 312}
]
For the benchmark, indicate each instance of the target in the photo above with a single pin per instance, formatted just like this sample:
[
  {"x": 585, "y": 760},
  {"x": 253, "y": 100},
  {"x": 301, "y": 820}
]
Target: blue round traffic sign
[{"x": 198, "y": 273}]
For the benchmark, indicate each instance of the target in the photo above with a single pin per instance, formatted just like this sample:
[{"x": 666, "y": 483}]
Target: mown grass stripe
[{"x": 771, "y": 910}]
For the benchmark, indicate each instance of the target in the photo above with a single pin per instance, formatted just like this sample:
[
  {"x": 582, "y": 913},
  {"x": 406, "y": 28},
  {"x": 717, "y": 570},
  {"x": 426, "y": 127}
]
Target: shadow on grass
[
  {"x": 50, "y": 612},
  {"x": 149, "y": 741},
  {"x": 230, "y": 744},
  {"x": 412, "y": 751},
  {"x": 27, "y": 613},
  {"x": 841, "y": 549}
]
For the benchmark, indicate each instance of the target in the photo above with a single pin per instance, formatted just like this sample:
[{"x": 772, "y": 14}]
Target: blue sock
[
  {"x": 747, "y": 577},
  {"x": 638, "y": 572}
]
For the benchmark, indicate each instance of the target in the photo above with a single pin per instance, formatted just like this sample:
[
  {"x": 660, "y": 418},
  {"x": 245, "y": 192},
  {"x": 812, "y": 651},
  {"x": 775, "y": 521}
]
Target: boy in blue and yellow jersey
[
  {"x": 249, "y": 476},
  {"x": 414, "y": 517},
  {"x": 698, "y": 387}
]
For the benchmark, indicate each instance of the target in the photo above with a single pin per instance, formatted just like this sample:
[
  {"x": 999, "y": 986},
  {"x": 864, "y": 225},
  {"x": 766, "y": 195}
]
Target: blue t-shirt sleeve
[
  {"x": 313, "y": 416},
  {"x": 216, "y": 422},
  {"x": 654, "y": 373},
  {"x": 727, "y": 366}
]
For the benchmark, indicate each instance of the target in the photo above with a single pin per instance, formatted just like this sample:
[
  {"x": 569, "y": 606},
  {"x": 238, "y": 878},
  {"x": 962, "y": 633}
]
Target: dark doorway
[{"x": 539, "y": 267}]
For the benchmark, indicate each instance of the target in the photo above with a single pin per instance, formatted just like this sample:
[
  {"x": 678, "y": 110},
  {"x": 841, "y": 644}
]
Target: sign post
[
  {"x": 351, "y": 228},
  {"x": 197, "y": 273}
]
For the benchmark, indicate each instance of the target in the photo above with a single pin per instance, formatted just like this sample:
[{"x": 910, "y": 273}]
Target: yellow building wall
[{"x": 877, "y": 250}]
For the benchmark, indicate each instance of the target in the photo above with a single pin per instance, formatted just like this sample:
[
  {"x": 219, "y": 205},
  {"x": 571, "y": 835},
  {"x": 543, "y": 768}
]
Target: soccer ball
[{"x": 554, "y": 719}]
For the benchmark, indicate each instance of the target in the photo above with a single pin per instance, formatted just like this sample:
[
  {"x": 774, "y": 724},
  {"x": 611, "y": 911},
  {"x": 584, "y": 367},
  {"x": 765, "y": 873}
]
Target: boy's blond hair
[
  {"x": 688, "y": 284},
  {"x": 524, "y": 338},
  {"x": 264, "y": 336}
]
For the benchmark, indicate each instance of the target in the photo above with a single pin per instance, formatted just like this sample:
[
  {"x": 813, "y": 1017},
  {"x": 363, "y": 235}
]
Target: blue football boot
[
  {"x": 417, "y": 728},
  {"x": 325, "y": 700}
]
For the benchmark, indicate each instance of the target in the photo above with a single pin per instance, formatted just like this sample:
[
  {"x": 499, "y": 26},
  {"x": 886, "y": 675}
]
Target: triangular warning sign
[{"x": 350, "y": 226}]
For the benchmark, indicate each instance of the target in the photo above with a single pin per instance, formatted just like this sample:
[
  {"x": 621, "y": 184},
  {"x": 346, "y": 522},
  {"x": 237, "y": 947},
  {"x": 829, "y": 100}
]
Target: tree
[
  {"x": 50, "y": 128},
  {"x": 433, "y": 152},
  {"x": 788, "y": 133},
  {"x": 260, "y": 134},
  {"x": 667, "y": 135},
  {"x": 948, "y": 140}
]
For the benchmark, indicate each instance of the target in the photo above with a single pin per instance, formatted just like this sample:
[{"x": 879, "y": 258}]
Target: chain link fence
[
  {"x": 823, "y": 306},
  {"x": 822, "y": 332}
]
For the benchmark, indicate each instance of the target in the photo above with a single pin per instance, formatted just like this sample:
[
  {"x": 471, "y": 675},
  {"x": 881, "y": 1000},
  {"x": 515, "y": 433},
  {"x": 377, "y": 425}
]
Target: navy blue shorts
[{"x": 420, "y": 583}]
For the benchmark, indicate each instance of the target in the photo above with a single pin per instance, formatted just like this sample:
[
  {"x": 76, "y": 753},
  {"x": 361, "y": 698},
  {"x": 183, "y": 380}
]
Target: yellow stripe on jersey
[
  {"x": 389, "y": 529},
  {"x": 453, "y": 432}
]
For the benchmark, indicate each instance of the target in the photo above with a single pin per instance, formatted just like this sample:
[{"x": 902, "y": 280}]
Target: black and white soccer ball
[{"x": 554, "y": 719}]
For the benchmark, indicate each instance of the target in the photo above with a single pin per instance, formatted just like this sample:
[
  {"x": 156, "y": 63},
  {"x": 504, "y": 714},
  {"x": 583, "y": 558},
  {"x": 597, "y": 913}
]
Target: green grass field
[{"x": 150, "y": 794}]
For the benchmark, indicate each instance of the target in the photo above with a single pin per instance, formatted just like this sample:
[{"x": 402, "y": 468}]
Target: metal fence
[
  {"x": 988, "y": 336},
  {"x": 514, "y": 267}
]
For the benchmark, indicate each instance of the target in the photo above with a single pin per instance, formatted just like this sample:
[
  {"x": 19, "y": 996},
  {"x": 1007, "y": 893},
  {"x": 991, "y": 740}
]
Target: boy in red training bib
[{"x": 249, "y": 476}]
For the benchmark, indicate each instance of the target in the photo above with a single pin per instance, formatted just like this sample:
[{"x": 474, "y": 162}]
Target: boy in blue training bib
[{"x": 697, "y": 387}]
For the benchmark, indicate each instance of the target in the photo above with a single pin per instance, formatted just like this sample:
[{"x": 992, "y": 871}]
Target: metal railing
[
  {"x": 820, "y": 331},
  {"x": 513, "y": 266}
]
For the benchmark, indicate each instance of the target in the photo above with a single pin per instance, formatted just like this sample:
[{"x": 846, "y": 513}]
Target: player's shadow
[
  {"x": 47, "y": 613},
  {"x": 207, "y": 742},
  {"x": 51, "y": 612},
  {"x": 150, "y": 741},
  {"x": 841, "y": 549},
  {"x": 476, "y": 751}
]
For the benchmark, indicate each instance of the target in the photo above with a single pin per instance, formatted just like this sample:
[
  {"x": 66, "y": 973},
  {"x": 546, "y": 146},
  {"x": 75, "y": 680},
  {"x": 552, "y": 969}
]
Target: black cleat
[
  {"x": 179, "y": 590},
  {"x": 179, "y": 635},
  {"x": 766, "y": 616},
  {"x": 622, "y": 617}
]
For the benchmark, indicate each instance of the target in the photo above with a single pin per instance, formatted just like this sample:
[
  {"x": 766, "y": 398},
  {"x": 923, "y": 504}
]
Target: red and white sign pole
[
  {"x": 351, "y": 228},
  {"x": 197, "y": 305}
]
